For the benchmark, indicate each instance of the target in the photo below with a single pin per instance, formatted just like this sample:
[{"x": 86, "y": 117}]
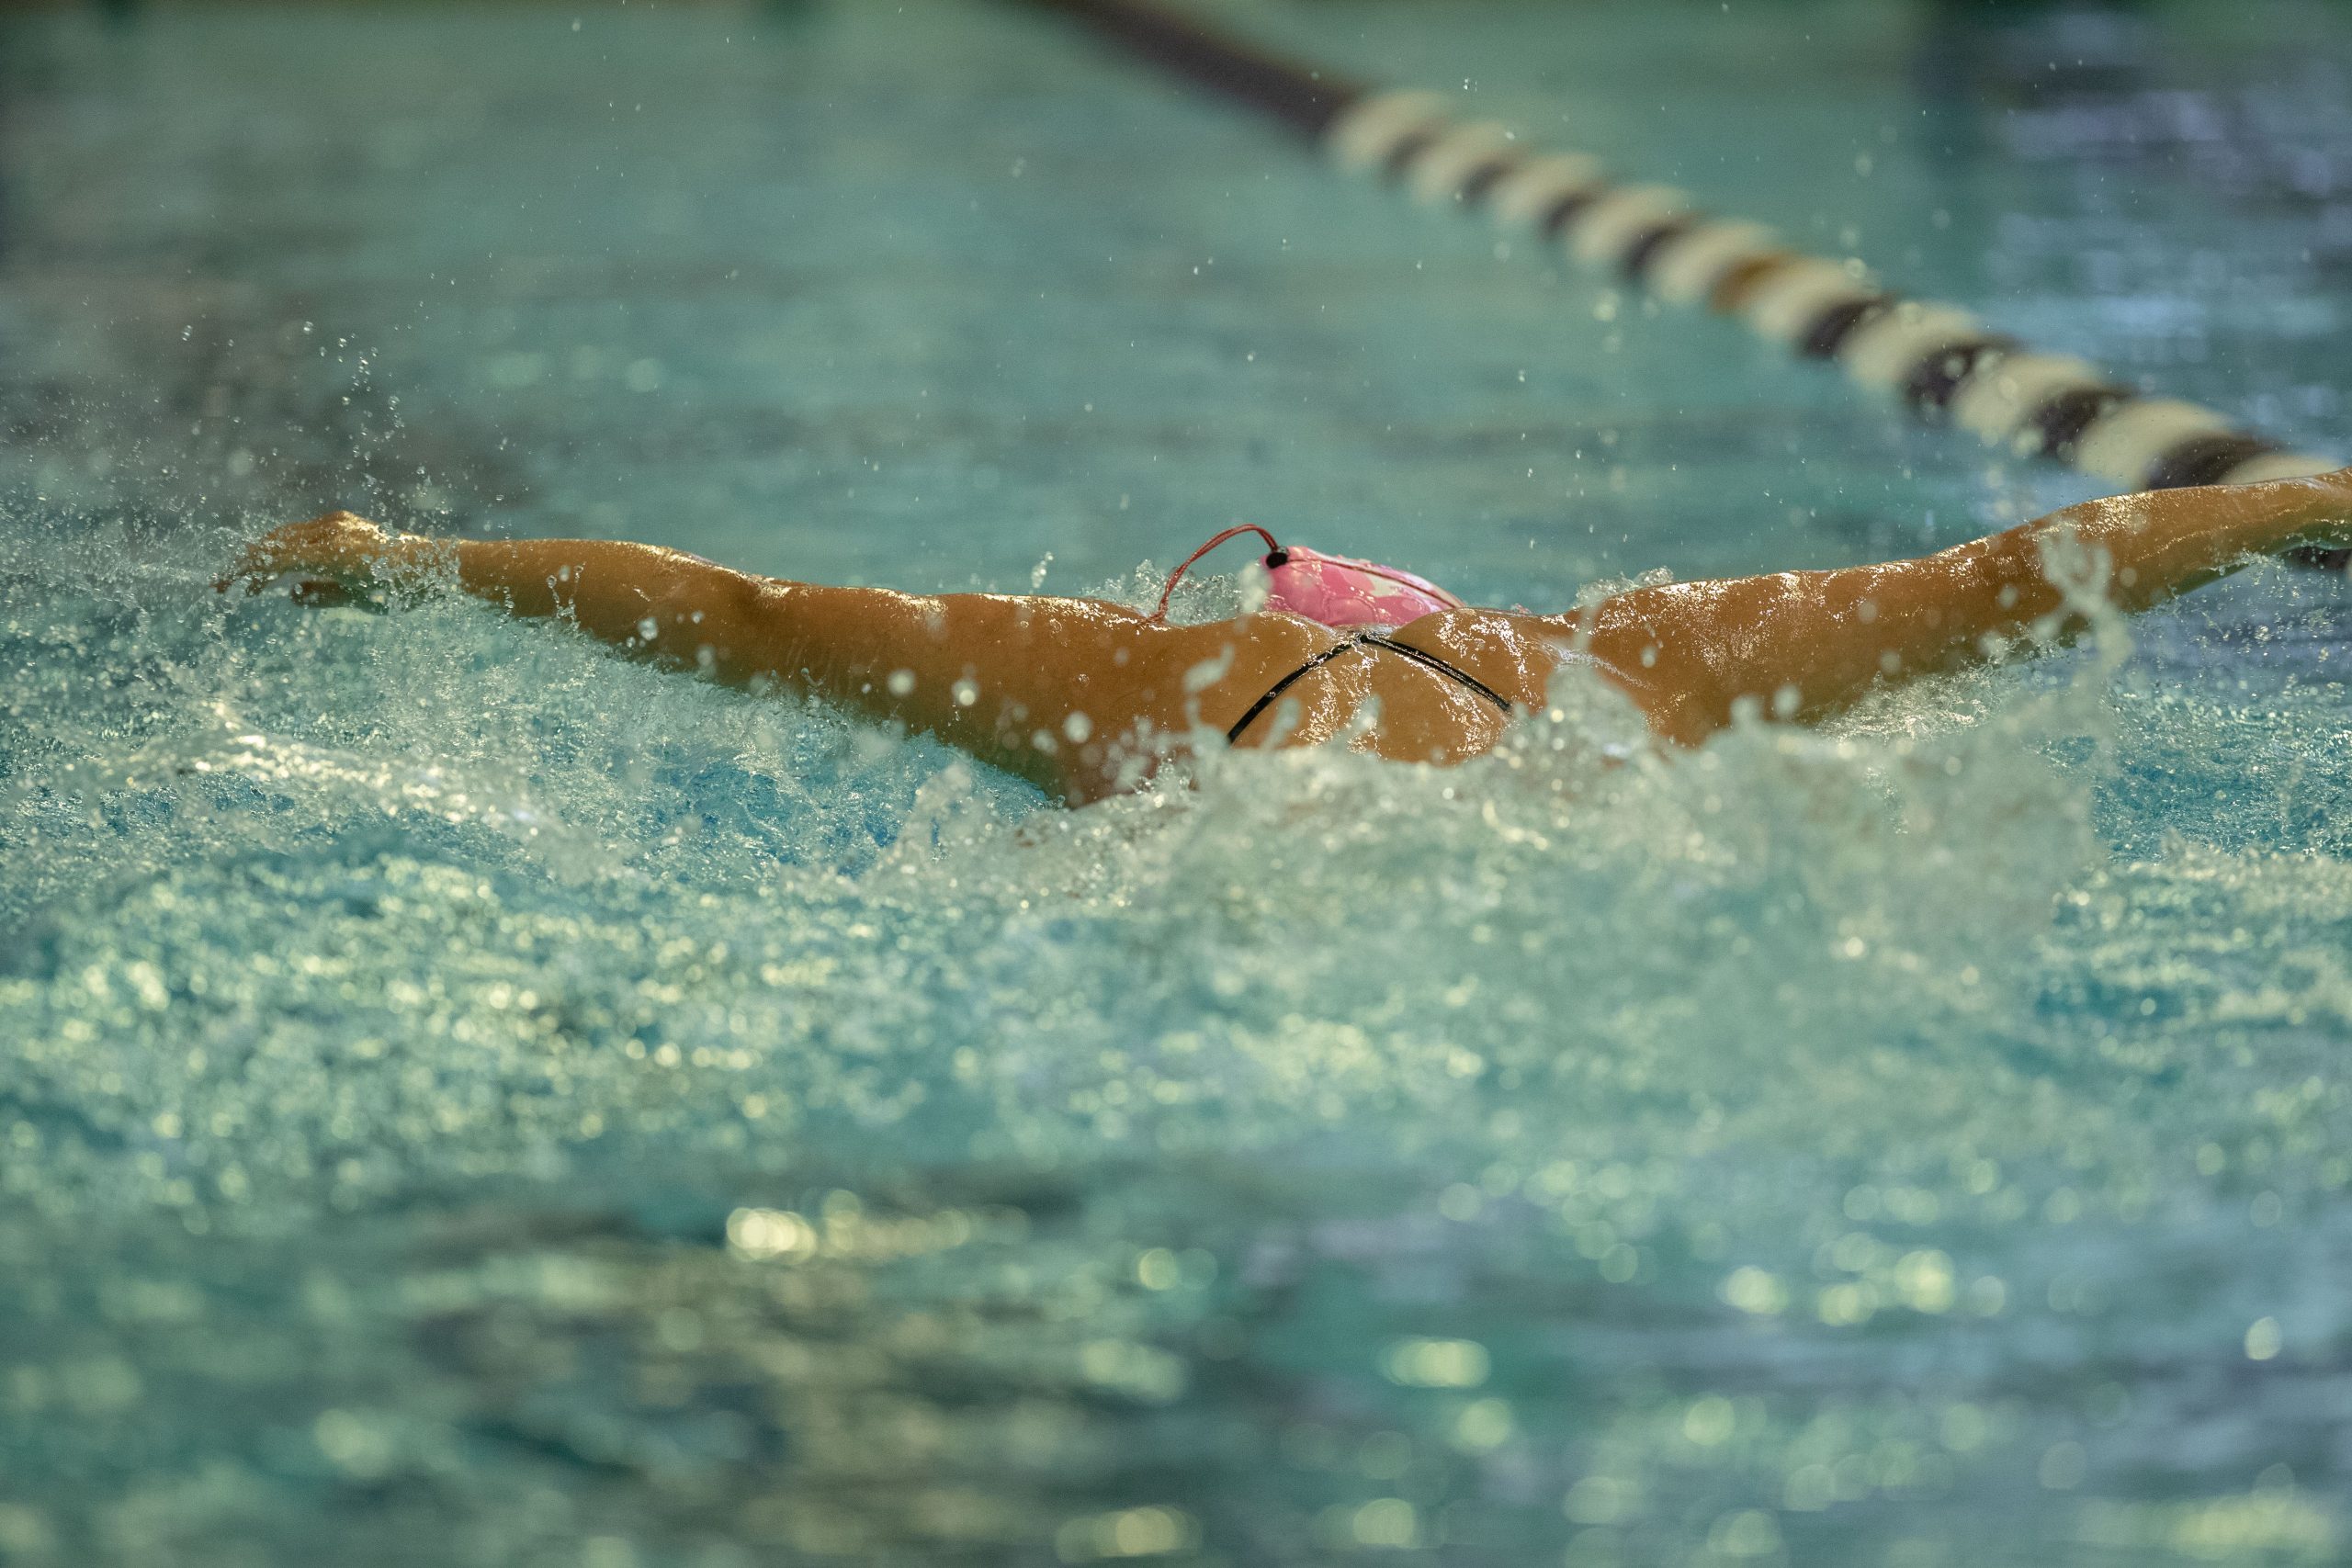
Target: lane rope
[{"x": 1941, "y": 361}]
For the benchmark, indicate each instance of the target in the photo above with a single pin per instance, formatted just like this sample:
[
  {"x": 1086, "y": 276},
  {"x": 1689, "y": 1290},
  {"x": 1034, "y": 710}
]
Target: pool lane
[{"x": 465, "y": 1098}]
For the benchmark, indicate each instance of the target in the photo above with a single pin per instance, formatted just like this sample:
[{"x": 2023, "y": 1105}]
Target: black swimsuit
[{"x": 1374, "y": 639}]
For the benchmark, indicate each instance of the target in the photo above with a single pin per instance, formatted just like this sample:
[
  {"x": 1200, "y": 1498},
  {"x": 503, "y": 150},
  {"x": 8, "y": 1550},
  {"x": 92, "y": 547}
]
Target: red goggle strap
[{"x": 1272, "y": 549}]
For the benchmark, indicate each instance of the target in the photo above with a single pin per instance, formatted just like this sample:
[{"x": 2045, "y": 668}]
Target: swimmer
[{"x": 1087, "y": 697}]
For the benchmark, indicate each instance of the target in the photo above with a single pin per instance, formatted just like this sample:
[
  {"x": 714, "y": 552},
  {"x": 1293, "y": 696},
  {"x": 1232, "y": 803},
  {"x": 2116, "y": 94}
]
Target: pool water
[{"x": 467, "y": 1100}]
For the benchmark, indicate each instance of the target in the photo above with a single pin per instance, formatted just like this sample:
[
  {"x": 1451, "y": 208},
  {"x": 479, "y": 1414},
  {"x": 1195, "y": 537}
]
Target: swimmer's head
[
  {"x": 1341, "y": 591},
  {"x": 1337, "y": 591}
]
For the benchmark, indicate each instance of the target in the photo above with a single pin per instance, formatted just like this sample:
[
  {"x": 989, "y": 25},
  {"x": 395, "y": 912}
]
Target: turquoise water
[{"x": 465, "y": 1100}]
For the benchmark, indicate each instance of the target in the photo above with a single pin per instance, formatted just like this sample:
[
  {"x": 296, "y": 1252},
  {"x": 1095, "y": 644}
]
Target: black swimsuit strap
[
  {"x": 1285, "y": 683},
  {"x": 1429, "y": 660},
  {"x": 1419, "y": 656}
]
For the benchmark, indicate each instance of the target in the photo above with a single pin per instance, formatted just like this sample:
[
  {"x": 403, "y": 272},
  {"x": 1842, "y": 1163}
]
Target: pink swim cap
[{"x": 1337, "y": 591}]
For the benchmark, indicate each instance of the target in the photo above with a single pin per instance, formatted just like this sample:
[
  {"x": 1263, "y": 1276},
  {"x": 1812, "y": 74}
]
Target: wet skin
[{"x": 1087, "y": 697}]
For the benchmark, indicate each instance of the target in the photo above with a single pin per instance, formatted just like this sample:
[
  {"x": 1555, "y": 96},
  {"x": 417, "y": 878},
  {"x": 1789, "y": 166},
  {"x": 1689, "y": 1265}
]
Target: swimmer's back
[{"x": 1443, "y": 708}]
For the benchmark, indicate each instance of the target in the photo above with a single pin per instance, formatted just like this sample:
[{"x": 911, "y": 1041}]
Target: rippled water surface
[{"x": 466, "y": 1099}]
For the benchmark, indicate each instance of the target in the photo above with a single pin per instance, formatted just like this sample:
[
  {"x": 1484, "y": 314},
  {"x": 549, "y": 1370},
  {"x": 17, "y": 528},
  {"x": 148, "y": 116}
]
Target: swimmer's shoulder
[
  {"x": 1513, "y": 653},
  {"x": 1517, "y": 653},
  {"x": 1517, "y": 634}
]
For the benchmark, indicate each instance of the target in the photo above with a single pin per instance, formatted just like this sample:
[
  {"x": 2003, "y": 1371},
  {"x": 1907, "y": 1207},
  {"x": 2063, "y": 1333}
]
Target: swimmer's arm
[
  {"x": 1805, "y": 644},
  {"x": 1060, "y": 691},
  {"x": 660, "y": 604}
]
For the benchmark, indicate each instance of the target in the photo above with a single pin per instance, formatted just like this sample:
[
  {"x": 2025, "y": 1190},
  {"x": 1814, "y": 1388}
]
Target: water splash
[{"x": 1820, "y": 1139}]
